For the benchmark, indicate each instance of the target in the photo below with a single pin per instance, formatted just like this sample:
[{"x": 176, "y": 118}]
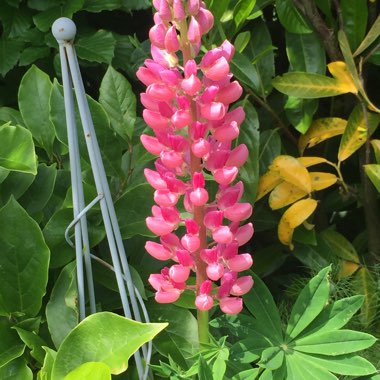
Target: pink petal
[
  {"x": 199, "y": 197},
  {"x": 218, "y": 70},
  {"x": 223, "y": 235},
  {"x": 227, "y": 132},
  {"x": 242, "y": 286},
  {"x": 179, "y": 273},
  {"x": 213, "y": 111},
  {"x": 158, "y": 226},
  {"x": 151, "y": 144},
  {"x": 244, "y": 234},
  {"x": 215, "y": 271},
  {"x": 158, "y": 251},
  {"x": 154, "y": 179},
  {"x": 204, "y": 302},
  {"x": 194, "y": 31},
  {"x": 157, "y": 35},
  {"x": 230, "y": 93},
  {"x": 225, "y": 175},
  {"x": 171, "y": 40},
  {"x": 240, "y": 262},
  {"x": 238, "y": 212},
  {"x": 165, "y": 198},
  {"x": 231, "y": 305},
  {"x": 238, "y": 156},
  {"x": 167, "y": 297}
]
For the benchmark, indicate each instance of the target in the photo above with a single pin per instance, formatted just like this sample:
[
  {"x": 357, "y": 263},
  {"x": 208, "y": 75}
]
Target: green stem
[{"x": 202, "y": 318}]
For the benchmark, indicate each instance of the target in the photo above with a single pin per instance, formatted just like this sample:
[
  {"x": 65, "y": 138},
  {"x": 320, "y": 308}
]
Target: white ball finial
[{"x": 64, "y": 29}]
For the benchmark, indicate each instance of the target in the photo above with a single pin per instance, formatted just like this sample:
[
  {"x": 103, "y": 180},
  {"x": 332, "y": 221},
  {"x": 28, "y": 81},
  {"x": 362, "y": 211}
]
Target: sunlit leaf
[
  {"x": 311, "y": 161},
  {"x": 346, "y": 269},
  {"x": 321, "y": 180},
  {"x": 338, "y": 70},
  {"x": 284, "y": 194},
  {"x": 357, "y": 131},
  {"x": 267, "y": 183},
  {"x": 321, "y": 130},
  {"x": 373, "y": 172}
]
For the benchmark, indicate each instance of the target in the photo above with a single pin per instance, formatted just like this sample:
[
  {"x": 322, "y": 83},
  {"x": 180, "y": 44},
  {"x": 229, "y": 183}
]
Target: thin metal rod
[{"x": 101, "y": 183}]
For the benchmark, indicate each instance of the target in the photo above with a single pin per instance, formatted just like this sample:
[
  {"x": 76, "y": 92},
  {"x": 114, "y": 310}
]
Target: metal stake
[{"x": 64, "y": 31}]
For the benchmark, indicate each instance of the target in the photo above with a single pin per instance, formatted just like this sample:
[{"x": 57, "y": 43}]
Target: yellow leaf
[
  {"x": 339, "y": 71},
  {"x": 311, "y": 161},
  {"x": 321, "y": 180},
  {"x": 292, "y": 171},
  {"x": 367, "y": 286},
  {"x": 355, "y": 134},
  {"x": 347, "y": 269},
  {"x": 267, "y": 182},
  {"x": 321, "y": 130},
  {"x": 284, "y": 194},
  {"x": 294, "y": 216}
]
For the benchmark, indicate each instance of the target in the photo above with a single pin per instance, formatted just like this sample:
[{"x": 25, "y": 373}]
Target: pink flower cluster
[{"x": 187, "y": 108}]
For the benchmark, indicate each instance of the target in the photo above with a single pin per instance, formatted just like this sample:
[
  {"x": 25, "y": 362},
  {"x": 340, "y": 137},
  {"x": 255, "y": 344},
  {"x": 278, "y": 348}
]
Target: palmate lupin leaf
[{"x": 313, "y": 345}]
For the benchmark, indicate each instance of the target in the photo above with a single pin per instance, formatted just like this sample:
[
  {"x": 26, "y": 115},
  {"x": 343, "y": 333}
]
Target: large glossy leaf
[
  {"x": 259, "y": 302},
  {"x": 119, "y": 101},
  {"x": 24, "y": 262},
  {"x": 309, "y": 303},
  {"x": 11, "y": 347},
  {"x": 305, "y": 52},
  {"x": 132, "y": 208},
  {"x": 38, "y": 194},
  {"x": 249, "y": 135},
  {"x": 180, "y": 338},
  {"x": 103, "y": 337},
  {"x": 17, "y": 149},
  {"x": 365, "y": 284},
  {"x": 354, "y": 16},
  {"x": 357, "y": 131},
  {"x": 308, "y": 85},
  {"x": 90, "y": 370},
  {"x": 336, "y": 342},
  {"x": 33, "y": 98},
  {"x": 62, "y": 310},
  {"x": 291, "y": 18},
  {"x": 349, "y": 364},
  {"x": 16, "y": 370},
  {"x": 98, "y": 47}
]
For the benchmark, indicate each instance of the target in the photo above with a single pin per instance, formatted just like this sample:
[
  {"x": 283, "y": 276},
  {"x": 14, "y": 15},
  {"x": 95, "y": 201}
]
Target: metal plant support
[{"x": 64, "y": 31}]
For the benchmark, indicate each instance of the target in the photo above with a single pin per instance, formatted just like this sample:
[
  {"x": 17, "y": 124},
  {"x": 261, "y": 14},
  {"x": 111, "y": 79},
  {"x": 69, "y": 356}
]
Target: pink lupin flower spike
[{"x": 187, "y": 106}]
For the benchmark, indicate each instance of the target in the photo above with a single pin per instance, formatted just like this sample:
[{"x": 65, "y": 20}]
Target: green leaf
[
  {"x": 90, "y": 370},
  {"x": 62, "y": 310},
  {"x": 15, "y": 21},
  {"x": 366, "y": 284},
  {"x": 272, "y": 358},
  {"x": 101, "y": 5},
  {"x": 119, "y": 101},
  {"x": 307, "y": 85},
  {"x": 17, "y": 149},
  {"x": 340, "y": 246},
  {"x": 14, "y": 185},
  {"x": 204, "y": 372},
  {"x": 16, "y": 370},
  {"x": 244, "y": 71},
  {"x": 354, "y": 16},
  {"x": 45, "y": 372},
  {"x": 250, "y": 374},
  {"x": 132, "y": 208},
  {"x": 349, "y": 364},
  {"x": 24, "y": 262},
  {"x": 270, "y": 147},
  {"x": 375, "y": 145},
  {"x": 37, "y": 196},
  {"x": 373, "y": 172},
  {"x": 357, "y": 131},
  {"x": 259, "y": 302},
  {"x": 306, "y": 52},
  {"x": 335, "y": 315},
  {"x": 309, "y": 303},
  {"x": 103, "y": 337},
  {"x": 241, "y": 11},
  {"x": 10, "y": 51},
  {"x": 11, "y": 347},
  {"x": 336, "y": 342},
  {"x": 34, "y": 94},
  {"x": 34, "y": 342},
  {"x": 371, "y": 36},
  {"x": 45, "y": 19},
  {"x": 299, "y": 367},
  {"x": 98, "y": 47},
  {"x": 242, "y": 40},
  {"x": 249, "y": 135},
  {"x": 11, "y": 115},
  {"x": 180, "y": 339},
  {"x": 291, "y": 18},
  {"x": 32, "y": 54},
  {"x": 300, "y": 112}
]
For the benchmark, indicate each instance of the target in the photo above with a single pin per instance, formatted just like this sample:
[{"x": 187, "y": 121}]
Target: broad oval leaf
[
  {"x": 357, "y": 131},
  {"x": 17, "y": 149},
  {"x": 90, "y": 370},
  {"x": 340, "y": 246},
  {"x": 321, "y": 130},
  {"x": 119, "y": 101},
  {"x": 309, "y": 303},
  {"x": 103, "y": 337},
  {"x": 291, "y": 18},
  {"x": 24, "y": 262},
  {"x": 307, "y": 85},
  {"x": 33, "y": 99},
  {"x": 373, "y": 172},
  {"x": 290, "y": 170},
  {"x": 336, "y": 342},
  {"x": 284, "y": 194},
  {"x": 321, "y": 180}
]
